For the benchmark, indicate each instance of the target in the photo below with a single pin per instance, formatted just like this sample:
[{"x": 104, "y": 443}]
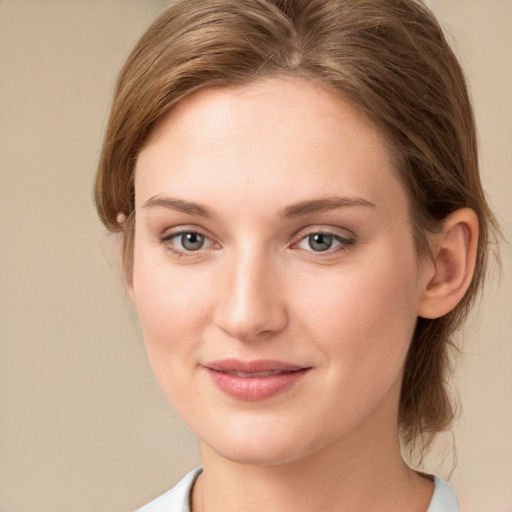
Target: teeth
[{"x": 266, "y": 373}]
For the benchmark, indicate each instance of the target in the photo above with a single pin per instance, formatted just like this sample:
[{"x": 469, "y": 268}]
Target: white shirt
[{"x": 178, "y": 498}]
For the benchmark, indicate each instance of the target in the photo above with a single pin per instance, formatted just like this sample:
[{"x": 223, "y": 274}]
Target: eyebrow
[
  {"x": 294, "y": 210},
  {"x": 324, "y": 204},
  {"x": 180, "y": 205}
]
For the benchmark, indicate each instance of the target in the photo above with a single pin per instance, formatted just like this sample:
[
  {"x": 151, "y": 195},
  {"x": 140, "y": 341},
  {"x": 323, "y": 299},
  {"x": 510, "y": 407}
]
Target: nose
[{"x": 252, "y": 303}]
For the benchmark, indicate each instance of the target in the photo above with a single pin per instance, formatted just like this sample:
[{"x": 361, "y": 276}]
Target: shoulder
[
  {"x": 177, "y": 499},
  {"x": 444, "y": 499}
]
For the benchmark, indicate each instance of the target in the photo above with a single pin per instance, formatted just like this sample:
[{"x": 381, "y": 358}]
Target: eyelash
[
  {"x": 166, "y": 240},
  {"x": 344, "y": 243}
]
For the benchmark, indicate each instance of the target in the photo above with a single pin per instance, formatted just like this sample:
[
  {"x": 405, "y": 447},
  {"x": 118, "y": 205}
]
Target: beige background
[{"x": 83, "y": 426}]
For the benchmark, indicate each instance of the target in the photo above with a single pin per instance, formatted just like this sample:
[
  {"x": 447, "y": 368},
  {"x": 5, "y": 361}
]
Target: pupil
[
  {"x": 192, "y": 241},
  {"x": 320, "y": 242}
]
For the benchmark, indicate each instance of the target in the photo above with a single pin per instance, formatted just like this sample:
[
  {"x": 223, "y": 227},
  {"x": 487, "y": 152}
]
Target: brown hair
[{"x": 390, "y": 59}]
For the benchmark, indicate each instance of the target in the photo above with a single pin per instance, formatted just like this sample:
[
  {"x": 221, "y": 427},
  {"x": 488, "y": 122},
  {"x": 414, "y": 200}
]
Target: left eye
[{"x": 321, "y": 242}]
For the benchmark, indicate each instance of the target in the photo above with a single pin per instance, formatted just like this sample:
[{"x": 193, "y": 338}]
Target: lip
[{"x": 254, "y": 380}]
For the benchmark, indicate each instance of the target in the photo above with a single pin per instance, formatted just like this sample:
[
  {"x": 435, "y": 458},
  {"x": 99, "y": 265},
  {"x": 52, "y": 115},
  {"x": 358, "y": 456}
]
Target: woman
[{"x": 304, "y": 229}]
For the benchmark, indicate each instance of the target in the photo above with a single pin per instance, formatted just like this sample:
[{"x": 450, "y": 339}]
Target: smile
[
  {"x": 267, "y": 373},
  {"x": 254, "y": 380}
]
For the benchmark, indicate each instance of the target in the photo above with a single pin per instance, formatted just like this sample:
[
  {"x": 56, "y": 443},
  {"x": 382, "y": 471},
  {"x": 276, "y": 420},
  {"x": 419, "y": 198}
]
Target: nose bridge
[{"x": 252, "y": 302}]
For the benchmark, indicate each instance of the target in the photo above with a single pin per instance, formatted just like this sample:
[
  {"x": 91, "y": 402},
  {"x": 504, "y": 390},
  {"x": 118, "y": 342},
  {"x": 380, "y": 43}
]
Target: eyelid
[
  {"x": 171, "y": 233},
  {"x": 335, "y": 231},
  {"x": 345, "y": 242}
]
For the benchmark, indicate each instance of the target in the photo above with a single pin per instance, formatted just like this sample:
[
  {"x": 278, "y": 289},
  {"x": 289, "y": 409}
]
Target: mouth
[
  {"x": 254, "y": 380},
  {"x": 266, "y": 373}
]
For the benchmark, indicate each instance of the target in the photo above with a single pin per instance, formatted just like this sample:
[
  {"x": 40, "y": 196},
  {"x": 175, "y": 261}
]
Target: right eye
[
  {"x": 186, "y": 241},
  {"x": 191, "y": 241}
]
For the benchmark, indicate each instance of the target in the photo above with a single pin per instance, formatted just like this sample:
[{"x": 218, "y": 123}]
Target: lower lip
[{"x": 255, "y": 388}]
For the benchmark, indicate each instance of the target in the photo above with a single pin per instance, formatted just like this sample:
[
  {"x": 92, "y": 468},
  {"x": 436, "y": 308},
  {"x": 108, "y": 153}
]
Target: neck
[{"x": 354, "y": 474}]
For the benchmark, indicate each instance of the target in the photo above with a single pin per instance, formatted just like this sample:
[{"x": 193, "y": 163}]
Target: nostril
[
  {"x": 247, "y": 325},
  {"x": 250, "y": 305}
]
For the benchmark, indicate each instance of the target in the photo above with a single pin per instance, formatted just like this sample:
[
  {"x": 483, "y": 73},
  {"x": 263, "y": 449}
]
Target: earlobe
[
  {"x": 129, "y": 288},
  {"x": 126, "y": 224},
  {"x": 128, "y": 278},
  {"x": 454, "y": 251}
]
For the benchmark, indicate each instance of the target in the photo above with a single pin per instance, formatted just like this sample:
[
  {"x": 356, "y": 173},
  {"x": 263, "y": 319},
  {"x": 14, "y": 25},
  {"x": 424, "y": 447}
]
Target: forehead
[
  {"x": 283, "y": 133},
  {"x": 287, "y": 102}
]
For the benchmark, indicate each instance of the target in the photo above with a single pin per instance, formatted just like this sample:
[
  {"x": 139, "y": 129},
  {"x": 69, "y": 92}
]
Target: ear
[
  {"x": 129, "y": 288},
  {"x": 122, "y": 219},
  {"x": 454, "y": 251},
  {"x": 128, "y": 280}
]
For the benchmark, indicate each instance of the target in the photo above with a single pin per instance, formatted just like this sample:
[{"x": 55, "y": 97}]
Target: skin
[{"x": 256, "y": 289}]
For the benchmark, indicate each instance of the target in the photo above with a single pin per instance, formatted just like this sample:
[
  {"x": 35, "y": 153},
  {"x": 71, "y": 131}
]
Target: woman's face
[{"x": 275, "y": 274}]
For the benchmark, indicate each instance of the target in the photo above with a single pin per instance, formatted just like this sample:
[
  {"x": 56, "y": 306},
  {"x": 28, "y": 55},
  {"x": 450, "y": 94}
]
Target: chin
[
  {"x": 258, "y": 454},
  {"x": 264, "y": 445}
]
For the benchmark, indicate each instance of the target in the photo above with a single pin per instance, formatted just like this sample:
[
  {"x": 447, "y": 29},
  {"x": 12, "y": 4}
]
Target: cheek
[
  {"x": 173, "y": 307},
  {"x": 172, "y": 314},
  {"x": 367, "y": 316}
]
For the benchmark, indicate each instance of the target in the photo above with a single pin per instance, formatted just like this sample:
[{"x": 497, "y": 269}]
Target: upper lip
[{"x": 254, "y": 366}]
